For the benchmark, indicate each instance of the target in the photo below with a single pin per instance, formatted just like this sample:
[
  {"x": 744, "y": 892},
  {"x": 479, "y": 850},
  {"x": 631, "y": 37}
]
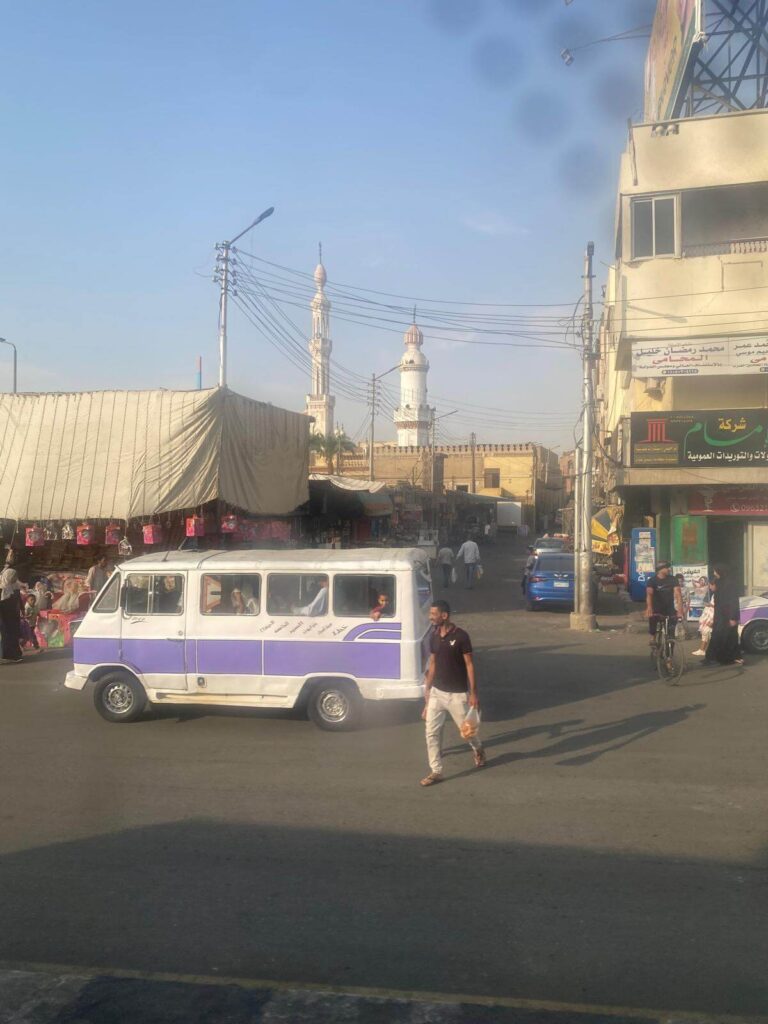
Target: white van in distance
[{"x": 321, "y": 629}]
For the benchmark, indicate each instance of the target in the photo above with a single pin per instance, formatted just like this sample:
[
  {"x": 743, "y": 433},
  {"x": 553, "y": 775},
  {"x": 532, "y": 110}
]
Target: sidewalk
[{"x": 62, "y": 996}]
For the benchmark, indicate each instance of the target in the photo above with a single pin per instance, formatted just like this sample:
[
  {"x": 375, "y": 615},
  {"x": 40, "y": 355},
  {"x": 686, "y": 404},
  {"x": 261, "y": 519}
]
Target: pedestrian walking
[
  {"x": 29, "y": 621},
  {"x": 10, "y": 611},
  {"x": 529, "y": 564},
  {"x": 445, "y": 561},
  {"x": 706, "y": 622},
  {"x": 97, "y": 575},
  {"x": 724, "y": 646},
  {"x": 450, "y": 688},
  {"x": 469, "y": 553}
]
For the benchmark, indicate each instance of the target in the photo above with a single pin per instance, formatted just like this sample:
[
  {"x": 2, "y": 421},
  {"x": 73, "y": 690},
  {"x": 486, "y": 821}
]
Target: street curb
[{"x": 58, "y": 994}]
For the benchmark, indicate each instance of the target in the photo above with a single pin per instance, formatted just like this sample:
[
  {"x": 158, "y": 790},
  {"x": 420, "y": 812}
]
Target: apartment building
[{"x": 682, "y": 372}]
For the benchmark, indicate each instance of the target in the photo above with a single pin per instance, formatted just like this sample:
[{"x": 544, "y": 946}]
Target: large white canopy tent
[{"x": 129, "y": 454}]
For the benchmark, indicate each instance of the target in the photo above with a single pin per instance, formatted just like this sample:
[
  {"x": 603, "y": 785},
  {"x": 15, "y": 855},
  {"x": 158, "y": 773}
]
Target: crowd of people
[
  {"x": 21, "y": 603},
  {"x": 719, "y": 622}
]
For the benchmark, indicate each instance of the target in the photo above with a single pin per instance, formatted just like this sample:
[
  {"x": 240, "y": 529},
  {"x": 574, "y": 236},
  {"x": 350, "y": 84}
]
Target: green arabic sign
[{"x": 715, "y": 437}]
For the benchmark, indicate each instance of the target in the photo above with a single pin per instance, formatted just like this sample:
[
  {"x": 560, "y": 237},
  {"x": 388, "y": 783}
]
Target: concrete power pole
[
  {"x": 584, "y": 618},
  {"x": 473, "y": 444},
  {"x": 371, "y": 465}
]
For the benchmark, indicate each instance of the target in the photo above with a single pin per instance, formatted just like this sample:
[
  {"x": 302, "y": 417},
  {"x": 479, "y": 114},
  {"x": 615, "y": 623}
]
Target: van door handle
[{"x": 176, "y": 639}]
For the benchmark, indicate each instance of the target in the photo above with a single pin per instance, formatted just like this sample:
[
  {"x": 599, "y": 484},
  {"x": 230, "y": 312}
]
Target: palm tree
[{"x": 331, "y": 447}]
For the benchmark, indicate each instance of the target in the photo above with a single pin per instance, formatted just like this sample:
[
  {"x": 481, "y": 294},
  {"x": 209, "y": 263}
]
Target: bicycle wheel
[{"x": 670, "y": 661}]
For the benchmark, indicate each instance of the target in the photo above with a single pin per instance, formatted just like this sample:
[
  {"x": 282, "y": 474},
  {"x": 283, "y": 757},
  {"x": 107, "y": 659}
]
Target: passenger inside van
[
  {"x": 319, "y": 604},
  {"x": 383, "y": 607}
]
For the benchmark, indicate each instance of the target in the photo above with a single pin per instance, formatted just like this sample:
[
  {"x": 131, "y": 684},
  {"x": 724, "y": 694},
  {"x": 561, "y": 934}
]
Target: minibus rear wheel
[
  {"x": 335, "y": 706},
  {"x": 119, "y": 697}
]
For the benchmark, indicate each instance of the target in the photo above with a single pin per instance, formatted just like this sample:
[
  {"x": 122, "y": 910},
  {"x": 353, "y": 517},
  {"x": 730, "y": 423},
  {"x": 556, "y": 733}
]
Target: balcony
[{"x": 739, "y": 247}]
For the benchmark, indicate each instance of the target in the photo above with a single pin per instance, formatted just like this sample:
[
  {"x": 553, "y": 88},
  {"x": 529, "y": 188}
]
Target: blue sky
[{"x": 438, "y": 148}]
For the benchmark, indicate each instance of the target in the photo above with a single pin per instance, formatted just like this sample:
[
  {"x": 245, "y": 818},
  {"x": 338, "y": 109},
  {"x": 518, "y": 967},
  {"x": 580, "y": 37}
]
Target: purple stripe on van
[
  {"x": 229, "y": 657},
  {"x": 155, "y": 656},
  {"x": 390, "y": 627},
  {"x": 303, "y": 657},
  {"x": 93, "y": 651},
  {"x": 759, "y": 612}
]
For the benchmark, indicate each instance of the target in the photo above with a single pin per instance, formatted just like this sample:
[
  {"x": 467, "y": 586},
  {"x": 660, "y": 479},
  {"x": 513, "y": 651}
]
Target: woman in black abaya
[{"x": 724, "y": 646}]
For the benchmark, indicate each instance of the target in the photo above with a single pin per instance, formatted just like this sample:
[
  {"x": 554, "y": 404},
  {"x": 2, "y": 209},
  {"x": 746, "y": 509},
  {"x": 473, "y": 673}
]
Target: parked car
[
  {"x": 543, "y": 544},
  {"x": 754, "y": 624},
  {"x": 552, "y": 581}
]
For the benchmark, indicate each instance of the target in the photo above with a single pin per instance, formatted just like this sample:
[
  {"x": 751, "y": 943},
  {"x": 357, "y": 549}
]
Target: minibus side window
[
  {"x": 168, "y": 596},
  {"x": 108, "y": 601},
  {"x": 364, "y": 596},
  {"x": 297, "y": 594},
  {"x": 136, "y": 594},
  {"x": 230, "y": 594},
  {"x": 153, "y": 595}
]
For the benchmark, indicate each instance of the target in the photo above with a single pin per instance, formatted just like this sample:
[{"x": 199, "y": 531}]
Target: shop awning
[{"x": 127, "y": 454}]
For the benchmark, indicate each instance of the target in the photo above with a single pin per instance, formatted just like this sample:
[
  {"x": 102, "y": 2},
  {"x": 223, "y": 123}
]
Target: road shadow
[{"x": 345, "y": 908}]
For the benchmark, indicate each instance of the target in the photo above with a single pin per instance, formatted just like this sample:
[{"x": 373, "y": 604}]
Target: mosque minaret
[
  {"x": 320, "y": 403},
  {"x": 413, "y": 415}
]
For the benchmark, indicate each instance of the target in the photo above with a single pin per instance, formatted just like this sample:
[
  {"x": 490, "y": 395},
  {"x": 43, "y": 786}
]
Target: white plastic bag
[
  {"x": 471, "y": 724},
  {"x": 454, "y": 576},
  {"x": 479, "y": 572}
]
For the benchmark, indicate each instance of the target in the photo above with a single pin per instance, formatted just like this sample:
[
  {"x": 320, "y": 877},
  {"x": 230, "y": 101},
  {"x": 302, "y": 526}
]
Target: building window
[
  {"x": 491, "y": 478},
  {"x": 653, "y": 227},
  {"x": 463, "y": 487}
]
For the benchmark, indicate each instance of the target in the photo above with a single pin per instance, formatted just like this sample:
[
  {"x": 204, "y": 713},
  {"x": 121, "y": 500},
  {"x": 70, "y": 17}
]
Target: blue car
[{"x": 551, "y": 581}]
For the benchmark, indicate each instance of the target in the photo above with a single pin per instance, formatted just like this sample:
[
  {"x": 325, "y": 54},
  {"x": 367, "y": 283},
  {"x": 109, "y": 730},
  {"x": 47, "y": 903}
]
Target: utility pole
[
  {"x": 373, "y": 428},
  {"x": 473, "y": 445},
  {"x": 584, "y": 618},
  {"x": 433, "y": 432},
  {"x": 223, "y": 251},
  {"x": 576, "y": 523}
]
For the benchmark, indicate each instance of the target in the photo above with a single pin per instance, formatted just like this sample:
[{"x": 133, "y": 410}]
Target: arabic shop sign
[
  {"x": 731, "y": 437},
  {"x": 730, "y": 356},
  {"x": 728, "y": 501}
]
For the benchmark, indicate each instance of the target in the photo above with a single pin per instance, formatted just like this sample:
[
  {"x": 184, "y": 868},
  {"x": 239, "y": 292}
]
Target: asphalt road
[{"x": 613, "y": 852}]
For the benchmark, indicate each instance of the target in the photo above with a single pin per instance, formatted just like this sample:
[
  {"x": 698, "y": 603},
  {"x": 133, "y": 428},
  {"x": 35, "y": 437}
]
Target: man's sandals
[{"x": 434, "y": 777}]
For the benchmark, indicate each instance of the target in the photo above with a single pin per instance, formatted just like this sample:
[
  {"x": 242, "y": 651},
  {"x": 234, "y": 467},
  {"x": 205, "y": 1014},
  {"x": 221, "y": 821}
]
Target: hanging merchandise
[
  {"x": 67, "y": 532},
  {"x": 112, "y": 534},
  {"x": 125, "y": 548},
  {"x": 195, "y": 526},
  {"x": 50, "y": 532},
  {"x": 153, "y": 533},
  {"x": 34, "y": 537},
  {"x": 86, "y": 535},
  {"x": 229, "y": 523}
]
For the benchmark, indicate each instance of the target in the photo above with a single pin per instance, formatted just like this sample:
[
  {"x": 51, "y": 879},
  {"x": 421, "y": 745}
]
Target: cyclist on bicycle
[{"x": 663, "y": 599}]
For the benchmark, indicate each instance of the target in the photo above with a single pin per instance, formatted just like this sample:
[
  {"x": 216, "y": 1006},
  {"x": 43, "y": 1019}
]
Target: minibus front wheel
[
  {"x": 119, "y": 697},
  {"x": 335, "y": 705}
]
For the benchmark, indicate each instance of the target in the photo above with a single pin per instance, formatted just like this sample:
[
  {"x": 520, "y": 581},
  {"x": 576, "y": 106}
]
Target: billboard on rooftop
[{"x": 675, "y": 37}]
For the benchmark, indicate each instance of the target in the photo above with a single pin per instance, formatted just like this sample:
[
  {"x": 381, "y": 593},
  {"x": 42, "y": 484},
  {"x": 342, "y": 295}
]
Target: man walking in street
[
  {"x": 450, "y": 688},
  {"x": 469, "y": 552},
  {"x": 445, "y": 561}
]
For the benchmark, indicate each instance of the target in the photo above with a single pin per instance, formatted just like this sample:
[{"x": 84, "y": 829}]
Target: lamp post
[
  {"x": 223, "y": 248},
  {"x": 11, "y": 345}
]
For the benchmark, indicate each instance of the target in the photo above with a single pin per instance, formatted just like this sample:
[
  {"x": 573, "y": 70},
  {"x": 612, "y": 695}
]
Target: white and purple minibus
[{"x": 325, "y": 630}]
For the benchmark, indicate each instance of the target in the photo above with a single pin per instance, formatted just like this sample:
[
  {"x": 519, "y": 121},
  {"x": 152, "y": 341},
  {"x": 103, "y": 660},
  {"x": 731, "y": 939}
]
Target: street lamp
[
  {"x": 224, "y": 249},
  {"x": 11, "y": 345}
]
